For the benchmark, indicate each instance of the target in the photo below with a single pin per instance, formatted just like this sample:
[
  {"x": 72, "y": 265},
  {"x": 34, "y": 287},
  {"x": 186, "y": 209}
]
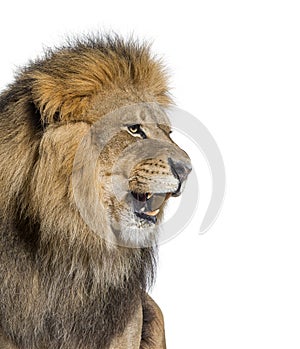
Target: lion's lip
[
  {"x": 147, "y": 205},
  {"x": 152, "y": 219}
]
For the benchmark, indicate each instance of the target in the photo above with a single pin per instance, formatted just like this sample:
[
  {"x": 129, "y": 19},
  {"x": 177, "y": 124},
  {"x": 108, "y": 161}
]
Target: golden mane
[{"x": 66, "y": 82}]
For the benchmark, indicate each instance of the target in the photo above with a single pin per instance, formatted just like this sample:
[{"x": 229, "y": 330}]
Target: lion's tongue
[
  {"x": 152, "y": 213},
  {"x": 150, "y": 204},
  {"x": 154, "y": 203}
]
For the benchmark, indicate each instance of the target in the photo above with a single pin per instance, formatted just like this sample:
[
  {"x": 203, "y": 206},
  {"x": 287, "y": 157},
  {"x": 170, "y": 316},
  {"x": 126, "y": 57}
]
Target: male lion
[{"x": 64, "y": 283}]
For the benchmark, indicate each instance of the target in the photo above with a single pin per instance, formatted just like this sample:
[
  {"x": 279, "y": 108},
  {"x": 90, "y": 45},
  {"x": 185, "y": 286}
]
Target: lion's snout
[{"x": 160, "y": 175}]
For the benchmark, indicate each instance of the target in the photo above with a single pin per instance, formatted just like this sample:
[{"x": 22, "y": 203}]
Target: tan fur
[{"x": 61, "y": 285}]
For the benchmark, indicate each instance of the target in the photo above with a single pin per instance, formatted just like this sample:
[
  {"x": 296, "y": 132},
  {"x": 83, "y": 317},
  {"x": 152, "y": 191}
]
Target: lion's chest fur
[{"x": 46, "y": 307}]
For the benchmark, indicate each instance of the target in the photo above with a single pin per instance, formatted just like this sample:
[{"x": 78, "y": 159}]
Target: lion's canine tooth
[
  {"x": 168, "y": 195},
  {"x": 152, "y": 213},
  {"x": 149, "y": 195}
]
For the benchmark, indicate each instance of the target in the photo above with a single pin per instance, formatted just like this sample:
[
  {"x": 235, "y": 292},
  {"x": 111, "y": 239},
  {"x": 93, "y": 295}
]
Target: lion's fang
[{"x": 152, "y": 213}]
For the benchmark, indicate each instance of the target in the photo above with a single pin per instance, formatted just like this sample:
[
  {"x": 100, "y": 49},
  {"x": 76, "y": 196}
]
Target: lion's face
[
  {"x": 113, "y": 177},
  {"x": 140, "y": 168}
]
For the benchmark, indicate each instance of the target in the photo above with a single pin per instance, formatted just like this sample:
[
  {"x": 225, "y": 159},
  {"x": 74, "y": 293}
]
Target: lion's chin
[
  {"x": 134, "y": 231},
  {"x": 137, "y": 221},
  {"x": 137, "y": 237}
]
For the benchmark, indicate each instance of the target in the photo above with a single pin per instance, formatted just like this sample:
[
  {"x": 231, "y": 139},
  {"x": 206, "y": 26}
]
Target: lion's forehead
[{"x": 145, "y": 114}]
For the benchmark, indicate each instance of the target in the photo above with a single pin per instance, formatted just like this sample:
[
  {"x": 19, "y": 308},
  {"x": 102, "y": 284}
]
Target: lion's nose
[{"x": 180, "y": 170}]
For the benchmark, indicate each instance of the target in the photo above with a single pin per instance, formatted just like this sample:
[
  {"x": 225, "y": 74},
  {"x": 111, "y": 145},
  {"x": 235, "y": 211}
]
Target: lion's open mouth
[{"x": 147, "y": 205}]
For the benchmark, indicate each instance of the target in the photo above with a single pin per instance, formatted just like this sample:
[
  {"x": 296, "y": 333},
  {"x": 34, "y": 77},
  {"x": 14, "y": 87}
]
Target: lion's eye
[{"x": 136, "y": 130}]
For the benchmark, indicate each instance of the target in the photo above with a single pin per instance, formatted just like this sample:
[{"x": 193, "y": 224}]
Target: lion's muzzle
[{"x": 154, "y": 182}]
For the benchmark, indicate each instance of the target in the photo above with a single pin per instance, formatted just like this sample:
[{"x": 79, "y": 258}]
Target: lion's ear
[{"x": 58, "y": 99}]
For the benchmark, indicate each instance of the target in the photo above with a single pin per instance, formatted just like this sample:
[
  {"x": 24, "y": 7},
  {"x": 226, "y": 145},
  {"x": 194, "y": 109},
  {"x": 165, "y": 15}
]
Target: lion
[{"x": 63, "y": 283}]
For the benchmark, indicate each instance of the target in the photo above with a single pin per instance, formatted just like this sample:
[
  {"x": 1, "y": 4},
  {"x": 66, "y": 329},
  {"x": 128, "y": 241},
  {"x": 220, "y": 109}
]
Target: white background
[{"x": 236, "y": 66}]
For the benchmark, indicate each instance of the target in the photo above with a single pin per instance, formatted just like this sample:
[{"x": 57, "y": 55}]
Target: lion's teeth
[
  {"x": 142, "y": 209},
  {"x": 168, "y": 195},
  {"x": 152, "y": 213},
  {"x": 149, "y": 195}
]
